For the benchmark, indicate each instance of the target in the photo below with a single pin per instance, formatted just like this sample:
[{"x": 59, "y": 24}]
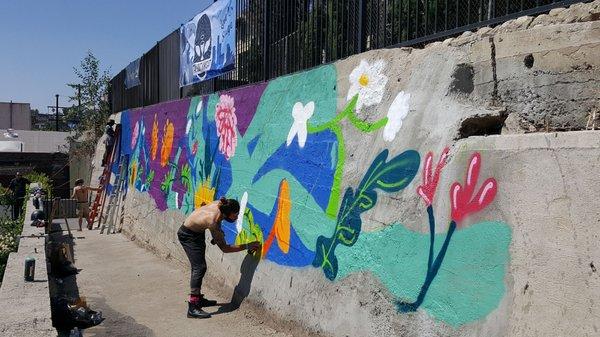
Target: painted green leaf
[{"x": 390, "y": 177}]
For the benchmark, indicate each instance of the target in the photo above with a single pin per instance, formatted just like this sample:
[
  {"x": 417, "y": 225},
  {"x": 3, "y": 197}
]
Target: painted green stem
[{"x": 335, "y": 127}]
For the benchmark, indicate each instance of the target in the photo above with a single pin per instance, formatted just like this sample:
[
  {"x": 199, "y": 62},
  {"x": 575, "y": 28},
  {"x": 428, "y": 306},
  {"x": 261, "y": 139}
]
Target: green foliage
[
  {"x": 89, "y": 118},
  {"x": 254, "y": 233},
  {"x": 390, "y": 176},
  {"x": 9, "y": 232},
  {"x": 42, "y": 179},
  {"x": 5, "y": 196}
]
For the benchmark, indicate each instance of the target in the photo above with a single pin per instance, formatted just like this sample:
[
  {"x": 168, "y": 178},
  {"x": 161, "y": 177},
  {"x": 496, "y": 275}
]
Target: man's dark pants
[
  {"x": 194, "y": 245},
  {"x": 18, "y": 207}
]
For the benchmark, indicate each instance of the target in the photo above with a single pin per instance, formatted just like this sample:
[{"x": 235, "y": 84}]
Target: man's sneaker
[
  {"x": 195, "y": 311},
  {"x": 206, "y": 303}
]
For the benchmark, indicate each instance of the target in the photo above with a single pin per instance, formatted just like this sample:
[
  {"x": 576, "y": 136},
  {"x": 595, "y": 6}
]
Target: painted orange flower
[
  {"x": 282, "y": 225},
  {"x": 167, "y": 143},
  {"x": 154, "y": 140}
]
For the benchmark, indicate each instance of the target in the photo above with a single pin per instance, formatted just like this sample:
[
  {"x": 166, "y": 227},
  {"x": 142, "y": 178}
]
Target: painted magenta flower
[
  {"x": 462, "y": 200},
  {"x": 167, "y": 143},
  {"x": 368, "y": 82},
  {"x": 301, "y": 114},
  {"x": 396, "y": 113},
  {"x": 135, "y": 134},
  {"x": 226, "y": 125},
  {"x": 431, "y": 177}
]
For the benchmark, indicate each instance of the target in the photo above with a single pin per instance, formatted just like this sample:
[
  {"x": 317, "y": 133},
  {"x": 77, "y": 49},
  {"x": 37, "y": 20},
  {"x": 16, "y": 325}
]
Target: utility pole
[{"x": 56, "y": 112}]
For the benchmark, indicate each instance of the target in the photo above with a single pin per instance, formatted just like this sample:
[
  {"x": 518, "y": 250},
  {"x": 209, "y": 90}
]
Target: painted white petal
[
  {"x": 302, "y": 133},
  {"x": 292, "y": 133},
  {"x": 309, "y": 109},
  {"x": 354, "y": 89},
  {"x": 188, "y": 126},
  {"x": 199, "y": 107},
  {"x": 240, "y": 220},
  {"x": 298, "y": 111}
]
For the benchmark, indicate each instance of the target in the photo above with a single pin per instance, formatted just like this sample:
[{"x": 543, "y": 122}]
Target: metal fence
[{"x": 278, "y": 37}]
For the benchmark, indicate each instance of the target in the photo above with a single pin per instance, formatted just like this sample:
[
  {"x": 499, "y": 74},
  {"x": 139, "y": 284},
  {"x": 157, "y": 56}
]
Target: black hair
[
  {"x": 228, "y": 206},
  {"x": 79, "y": 182}
]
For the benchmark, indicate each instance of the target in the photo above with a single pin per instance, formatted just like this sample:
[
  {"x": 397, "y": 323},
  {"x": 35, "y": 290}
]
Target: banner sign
[
  {"x": 132, "y": 74},
  {"x": 207, "y": 43}
]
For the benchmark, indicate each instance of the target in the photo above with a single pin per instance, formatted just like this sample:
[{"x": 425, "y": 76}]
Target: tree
[{"x": 91, "y": 109}]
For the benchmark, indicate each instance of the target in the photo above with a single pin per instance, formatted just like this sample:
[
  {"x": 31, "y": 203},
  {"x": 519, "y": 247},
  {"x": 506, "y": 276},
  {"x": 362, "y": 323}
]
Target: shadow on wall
[{"x": 242, "y": 289}]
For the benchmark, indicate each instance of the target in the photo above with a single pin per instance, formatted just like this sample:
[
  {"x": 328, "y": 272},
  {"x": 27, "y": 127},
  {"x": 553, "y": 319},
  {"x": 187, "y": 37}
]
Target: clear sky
[{"x": 41, "y": 41}]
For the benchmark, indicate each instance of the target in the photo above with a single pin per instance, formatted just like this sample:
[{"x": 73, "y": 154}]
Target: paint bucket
[{"x": 29, "y": 269}]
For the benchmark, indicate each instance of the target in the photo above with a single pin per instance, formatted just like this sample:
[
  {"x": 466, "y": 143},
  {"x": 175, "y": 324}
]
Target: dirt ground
[{"x": 140, "y": 294}]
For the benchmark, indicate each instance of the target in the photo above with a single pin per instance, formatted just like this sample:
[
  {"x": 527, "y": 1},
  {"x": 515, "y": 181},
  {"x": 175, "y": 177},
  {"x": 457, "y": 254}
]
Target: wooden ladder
[{"x": 100, "y": 197}]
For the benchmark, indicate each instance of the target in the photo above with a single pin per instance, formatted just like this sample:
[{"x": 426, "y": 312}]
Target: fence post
[
  {"x": 361, "y": 24},
  {"x": 265, "y": 38}
]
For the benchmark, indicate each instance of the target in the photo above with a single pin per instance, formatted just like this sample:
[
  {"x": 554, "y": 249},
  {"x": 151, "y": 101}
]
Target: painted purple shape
[
  {"x": 246, "y": 100},
  {"x": 176, "y": 113}
]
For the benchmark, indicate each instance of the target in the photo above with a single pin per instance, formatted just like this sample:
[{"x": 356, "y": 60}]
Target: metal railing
[{"x": 279, "y": 37}]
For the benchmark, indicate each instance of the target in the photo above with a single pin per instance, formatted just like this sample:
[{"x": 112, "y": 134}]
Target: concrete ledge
[{"x": 25, "y": 306}]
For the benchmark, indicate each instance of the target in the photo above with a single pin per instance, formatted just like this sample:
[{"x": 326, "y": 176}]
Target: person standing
[
  {"x": 81, "y": 194},
  {"x": 18, "y": 187},
  {"x": 191, "y": 235}
]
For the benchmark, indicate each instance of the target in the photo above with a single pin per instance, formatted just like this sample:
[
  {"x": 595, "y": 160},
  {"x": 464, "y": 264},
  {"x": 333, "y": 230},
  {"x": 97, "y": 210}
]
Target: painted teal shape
[
  {"x": 469, "y": 284},
  {"x": 267, "y": 132},
  {"x": 384, "y": 176}
]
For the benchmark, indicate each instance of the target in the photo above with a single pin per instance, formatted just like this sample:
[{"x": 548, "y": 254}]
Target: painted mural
[{"x": 279, "y": 149}]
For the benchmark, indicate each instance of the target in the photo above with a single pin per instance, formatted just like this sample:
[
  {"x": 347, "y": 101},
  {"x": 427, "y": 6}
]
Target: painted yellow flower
[
  {"x": 368, "y": 81},
  {"x": 167, "y": 143},
  {"x": 205, "y": 194},
  {"x": 154, "y": 139}
]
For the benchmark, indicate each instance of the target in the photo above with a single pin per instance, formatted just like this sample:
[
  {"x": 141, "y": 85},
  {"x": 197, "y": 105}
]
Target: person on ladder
[
  {"x": 192, "y": 238},
  {"x": 109, "y": 141},
  {"x": 81, "y": 194}
]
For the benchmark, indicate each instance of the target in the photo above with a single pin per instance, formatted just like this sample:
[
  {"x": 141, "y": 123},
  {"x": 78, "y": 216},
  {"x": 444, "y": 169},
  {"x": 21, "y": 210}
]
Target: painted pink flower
[
  {"x": 135, "y": 134},
  {"x": 462, "y": 200},
  {"x": 430, "y": 178},
  {"x": 195, "y": 148},
  {"x": 226, "y": 125}
]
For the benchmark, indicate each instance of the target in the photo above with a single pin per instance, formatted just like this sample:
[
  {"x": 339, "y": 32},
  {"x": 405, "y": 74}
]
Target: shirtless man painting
[
  {"x": 192, "y": 237},
  {"x": 81, "y": 194}
]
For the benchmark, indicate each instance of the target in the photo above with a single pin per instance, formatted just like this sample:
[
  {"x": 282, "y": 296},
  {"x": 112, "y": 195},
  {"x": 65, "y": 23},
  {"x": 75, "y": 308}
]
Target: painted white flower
[
  {"x": 368, "y": 82},
  {"x": 188, "y": 126},
  {"x": 240, "y": 219},
  {"x": 301, "y": 114},
  {"x": 396, "y": 113}
]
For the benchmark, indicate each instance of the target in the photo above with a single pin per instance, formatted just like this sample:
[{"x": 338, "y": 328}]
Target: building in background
[
  {"x": 41, "y": 151},
  {"x": 15, "y": 116}
]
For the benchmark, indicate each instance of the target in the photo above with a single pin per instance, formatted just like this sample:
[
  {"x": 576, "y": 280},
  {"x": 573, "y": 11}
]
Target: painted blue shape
[
  {"x": 310, "y": 165},
  {"x": 252, "y": 145},
  {"x": 221, "y": 174}
]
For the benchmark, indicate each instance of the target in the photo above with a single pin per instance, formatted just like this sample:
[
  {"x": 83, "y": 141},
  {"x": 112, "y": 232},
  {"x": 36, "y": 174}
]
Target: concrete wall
[
  {"x": 15, "y": 116},
  {"x": 25, "y": 306},
  {"x": 382, "y": 206}
]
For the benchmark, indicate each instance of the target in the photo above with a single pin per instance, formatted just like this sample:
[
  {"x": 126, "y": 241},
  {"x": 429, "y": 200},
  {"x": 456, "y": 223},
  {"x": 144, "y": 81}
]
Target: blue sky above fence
[{"x": 43, "y": 40}]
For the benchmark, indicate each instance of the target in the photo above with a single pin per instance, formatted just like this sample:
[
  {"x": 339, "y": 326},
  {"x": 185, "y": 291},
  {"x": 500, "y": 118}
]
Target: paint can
[{"x": 29, "y": 269}]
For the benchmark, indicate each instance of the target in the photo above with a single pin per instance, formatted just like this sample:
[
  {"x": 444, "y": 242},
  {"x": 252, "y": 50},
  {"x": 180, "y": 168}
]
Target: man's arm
[
  {"x": 219, "y": 238},
  {"x": 73, "y": 195},
  {"x": 95, "y": 189}
]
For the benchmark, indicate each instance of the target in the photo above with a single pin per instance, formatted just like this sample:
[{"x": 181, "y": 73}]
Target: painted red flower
[
  {"x": 462, "y": 200},
  {"x": 195, "y": 148},
  {"x": 430, "y": 178},
  {"x": 226, "y": 125}
]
